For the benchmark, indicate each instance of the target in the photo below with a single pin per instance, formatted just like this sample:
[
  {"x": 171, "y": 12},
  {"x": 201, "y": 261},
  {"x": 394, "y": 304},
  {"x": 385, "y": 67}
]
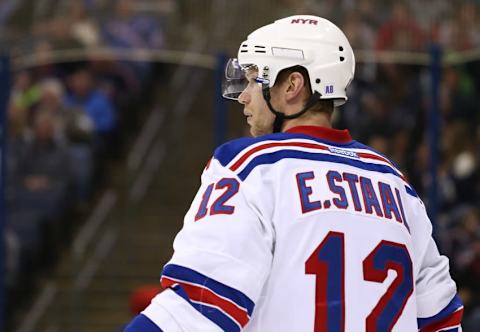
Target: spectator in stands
[
  {"x": 24, "y": 93},
  {"x": 129, "y": 30},
  {"x": 17, "y": 130},
  {"x": 7, "y": 8},
  {"x": 76, "y": 128},
  {"x": 51, "y": 101},
  {"x": 430, "y": 14},
  {"x": 73, "y": 122},
  {"x": 457, "y": 32},
  {"x": 44, "y": 167},
  {"x": 83, "y": 28},
  {"x": 464, "y": 231},
  {"x": 45, "y": 160},
  {"x": 57, "y": 31},
  {"x": 85, "y": 95},
  {"x": 464, "y": 167},
  {"x": 291, "y": 7},
  {"x": 458, "y": 94},
  {"x": 12, "y": 256},
  {"x": 400, "y": 32},
  {"x": 361, "y": 35},
  {"x": 358, "y": 31},
  {"x": 45, "y": 67},
  {"x": 372, "y": 12}
]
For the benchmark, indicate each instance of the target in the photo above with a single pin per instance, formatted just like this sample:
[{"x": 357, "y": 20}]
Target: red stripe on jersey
[
  {"x": 316, "y": 146},
  {"x": 450, "y": 321},
  {"x": 204, "y": 295},
  {"x": 207, "y": 166},
  {"x": 242, "y": 159},
  {"x": 373, "y": 156}
]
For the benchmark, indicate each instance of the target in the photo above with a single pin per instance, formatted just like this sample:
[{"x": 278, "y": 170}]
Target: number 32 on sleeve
[
  {"x": 230, "y": 188},
  {"x": 327, "y": 264}
]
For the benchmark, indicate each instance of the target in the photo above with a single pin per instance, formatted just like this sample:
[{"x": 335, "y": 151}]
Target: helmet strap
[{"x": 279, "y": 116}]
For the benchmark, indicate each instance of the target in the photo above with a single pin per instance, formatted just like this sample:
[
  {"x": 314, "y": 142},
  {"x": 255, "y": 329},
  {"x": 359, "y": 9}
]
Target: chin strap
[{"x": 279, "y": 116}]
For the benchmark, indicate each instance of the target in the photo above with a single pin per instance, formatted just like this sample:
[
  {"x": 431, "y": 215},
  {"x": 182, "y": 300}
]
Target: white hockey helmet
[{"x": 312, "y": 42}]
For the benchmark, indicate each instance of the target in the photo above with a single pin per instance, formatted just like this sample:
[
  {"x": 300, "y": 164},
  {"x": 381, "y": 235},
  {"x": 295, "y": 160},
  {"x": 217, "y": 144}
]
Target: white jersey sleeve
[
  {"x": 222, "y": 257},
  {"x": 438, "y": 306}
]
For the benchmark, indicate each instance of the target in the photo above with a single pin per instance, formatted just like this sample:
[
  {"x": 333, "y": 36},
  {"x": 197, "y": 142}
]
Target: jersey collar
[{"x": 329, "y": 134}]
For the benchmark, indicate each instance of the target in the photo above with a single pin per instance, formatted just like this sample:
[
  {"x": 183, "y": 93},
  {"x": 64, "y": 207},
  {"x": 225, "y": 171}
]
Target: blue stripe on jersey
[
  {"x": 358, "y": 145},
  {"x": 142, "y": 323},
  {"x": 273, "y": 157},
  {"x": 189, "y": 275},
  {"x": 212, "y": 313},
  {"x": 411, "y": 191},
  {"x": 226, "y": 152},
  {"x": 455, "y": 329},
  {"x": 454, "y": 304},
  {"x": 217, "y": 316}
]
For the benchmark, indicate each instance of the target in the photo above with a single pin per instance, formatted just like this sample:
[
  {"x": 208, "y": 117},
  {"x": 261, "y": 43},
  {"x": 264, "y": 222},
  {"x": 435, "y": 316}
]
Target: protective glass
[{"x": 238, "y": 77}]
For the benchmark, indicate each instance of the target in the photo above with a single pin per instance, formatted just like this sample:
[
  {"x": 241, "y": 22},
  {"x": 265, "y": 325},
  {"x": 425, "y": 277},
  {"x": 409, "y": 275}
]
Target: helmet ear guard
[{"x": 330, "y": 84}]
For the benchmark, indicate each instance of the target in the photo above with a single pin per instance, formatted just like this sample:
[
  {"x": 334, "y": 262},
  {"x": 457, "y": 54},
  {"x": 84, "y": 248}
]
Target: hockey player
[{"x": 301, "y": 228}]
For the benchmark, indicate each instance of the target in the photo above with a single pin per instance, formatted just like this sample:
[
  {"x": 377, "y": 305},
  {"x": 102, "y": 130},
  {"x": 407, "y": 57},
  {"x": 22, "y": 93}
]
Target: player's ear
[{"x": 294, "y": 85}]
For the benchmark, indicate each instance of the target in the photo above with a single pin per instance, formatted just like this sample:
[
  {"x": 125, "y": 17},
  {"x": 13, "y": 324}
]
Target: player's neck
[{"x": 309, "y": 119}]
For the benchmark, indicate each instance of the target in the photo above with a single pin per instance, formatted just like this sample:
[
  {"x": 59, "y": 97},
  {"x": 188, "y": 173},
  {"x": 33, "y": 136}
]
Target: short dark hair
[{"x": 322, "y": 105}]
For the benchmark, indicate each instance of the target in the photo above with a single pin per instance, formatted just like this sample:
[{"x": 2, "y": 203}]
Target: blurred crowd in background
[
  {"x": 65, "y": 119},
  {"x": 405, "y": 25},
  {"x": 66, "y": 122}
]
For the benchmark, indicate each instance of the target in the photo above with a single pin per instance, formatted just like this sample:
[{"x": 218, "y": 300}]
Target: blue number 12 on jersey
[{"x": 327, "y": 264}]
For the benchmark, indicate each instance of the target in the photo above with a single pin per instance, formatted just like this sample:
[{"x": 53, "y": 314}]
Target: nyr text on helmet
[{"x": 304, "y": 21}]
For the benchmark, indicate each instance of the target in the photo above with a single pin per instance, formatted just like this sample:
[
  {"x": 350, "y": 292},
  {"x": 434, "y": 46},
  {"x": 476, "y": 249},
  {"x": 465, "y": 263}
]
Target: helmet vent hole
[
  {"x": 244, "y": 51},
  {"x": 258, "y": 46},
  {"x": 340, "y": 48},
  {"x": 244, "y": 45},
  {"x": 342, "y": 58},
  {"x": 260, "y": 51},
  {"x": 317, "y": 81}
]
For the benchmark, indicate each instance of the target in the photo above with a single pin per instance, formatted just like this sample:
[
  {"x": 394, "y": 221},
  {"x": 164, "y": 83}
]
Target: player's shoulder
[
  {"x": 243, "y": 155},
  {"x": 372, "y": 154},
  {"x": 238, "y": 152},
  {"x": 231, "y": 150},
  {"x": 358, "y": 146}
]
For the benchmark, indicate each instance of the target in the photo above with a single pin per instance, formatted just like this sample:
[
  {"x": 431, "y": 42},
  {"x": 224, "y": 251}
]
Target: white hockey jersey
[{"x": 306, "y": 230}]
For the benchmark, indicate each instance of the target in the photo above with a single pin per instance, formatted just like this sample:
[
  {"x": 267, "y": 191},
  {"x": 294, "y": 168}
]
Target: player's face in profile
[{"x": 259, "y": 118}]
